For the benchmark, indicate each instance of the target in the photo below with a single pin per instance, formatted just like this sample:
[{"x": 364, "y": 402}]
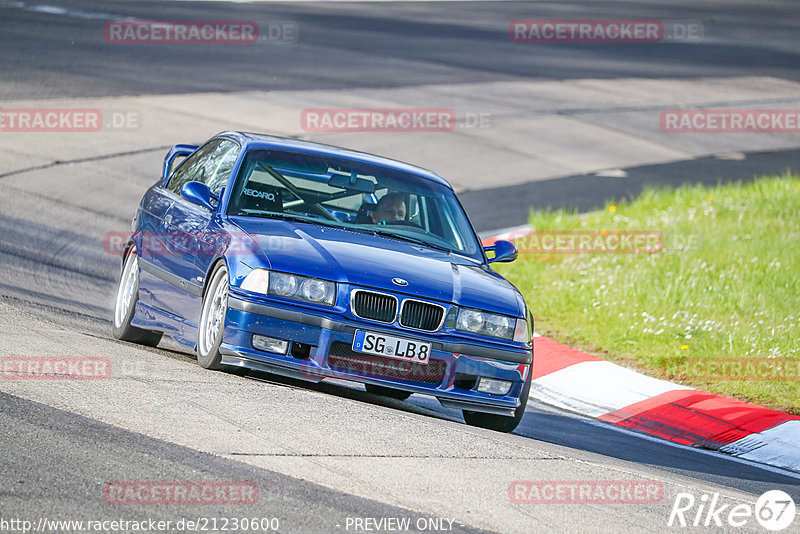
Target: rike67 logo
[{"x": 774, "y": 510}]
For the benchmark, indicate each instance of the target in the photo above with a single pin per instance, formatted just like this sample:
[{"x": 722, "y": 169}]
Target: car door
[
  {"x": 155, "y": 205},
  {"x": 194, "y": 234},
  {"x": 160, "y": 285}
]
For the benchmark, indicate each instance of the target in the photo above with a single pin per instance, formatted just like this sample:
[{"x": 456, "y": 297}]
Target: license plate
[{"x": 392, "y": 347}]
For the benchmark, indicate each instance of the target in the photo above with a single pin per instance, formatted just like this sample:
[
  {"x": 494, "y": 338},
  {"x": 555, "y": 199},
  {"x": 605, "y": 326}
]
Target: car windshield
[{"x": 353, "y": 194}]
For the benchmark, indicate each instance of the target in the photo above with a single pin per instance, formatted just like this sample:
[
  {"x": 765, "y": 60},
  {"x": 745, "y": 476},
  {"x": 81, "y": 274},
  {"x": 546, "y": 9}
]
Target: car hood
[{"x": 367, "y": 260}]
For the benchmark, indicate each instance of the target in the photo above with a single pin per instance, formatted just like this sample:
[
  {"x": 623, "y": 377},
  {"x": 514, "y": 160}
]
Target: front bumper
[{"x": 321, "y": 347}]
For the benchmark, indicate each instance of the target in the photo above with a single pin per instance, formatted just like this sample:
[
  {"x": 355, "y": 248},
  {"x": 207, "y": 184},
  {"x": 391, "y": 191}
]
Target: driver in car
[{"x": 391, "y": 207}]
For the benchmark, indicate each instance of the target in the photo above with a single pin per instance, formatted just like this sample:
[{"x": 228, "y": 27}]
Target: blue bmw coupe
[{"x": 311, "y": 261}]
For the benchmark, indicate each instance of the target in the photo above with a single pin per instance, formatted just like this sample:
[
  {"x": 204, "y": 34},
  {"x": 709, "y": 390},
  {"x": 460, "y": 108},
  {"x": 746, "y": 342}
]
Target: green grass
[{"x": 726, "y": 286}]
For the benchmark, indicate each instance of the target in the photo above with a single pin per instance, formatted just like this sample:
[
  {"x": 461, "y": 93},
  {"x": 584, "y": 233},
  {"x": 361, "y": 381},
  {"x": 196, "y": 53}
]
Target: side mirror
[
  {"x": 199, "y": 193},
  {"x": 175, "y": 152},
  {"x": 504, "y": 251}
]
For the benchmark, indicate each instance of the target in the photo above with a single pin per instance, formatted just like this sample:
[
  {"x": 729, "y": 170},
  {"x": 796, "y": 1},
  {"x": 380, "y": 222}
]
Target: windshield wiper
[
  {"x": 291, "y": 217},
  {"x": 410, "y": 239},
  {"x": 325, "y": 222}
]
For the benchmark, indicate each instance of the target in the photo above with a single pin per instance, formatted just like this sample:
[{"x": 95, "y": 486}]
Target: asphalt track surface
[
  {"x": 589, "y": 192},
  {"x": 344, "y": 45},
  {"x": 85, "y": 447},
  {"x": 57, "y": 283}
]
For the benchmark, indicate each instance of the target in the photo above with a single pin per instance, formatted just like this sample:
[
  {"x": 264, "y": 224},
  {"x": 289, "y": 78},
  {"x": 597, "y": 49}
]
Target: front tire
[
  {"x": 501, "y": 423},
  {"x": 125, "y": 305},
  {"x": 212, "y": 320}
]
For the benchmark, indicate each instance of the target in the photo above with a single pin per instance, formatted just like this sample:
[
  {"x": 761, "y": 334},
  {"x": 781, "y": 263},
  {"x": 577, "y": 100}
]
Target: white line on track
[{"x": 72, "y": 13}]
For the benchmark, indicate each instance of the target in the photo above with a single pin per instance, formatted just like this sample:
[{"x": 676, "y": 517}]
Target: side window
[
  {"x": 211, "y": 164},
  {"x": 190, "y": 169},
  {"x": 220, "y": 164}
]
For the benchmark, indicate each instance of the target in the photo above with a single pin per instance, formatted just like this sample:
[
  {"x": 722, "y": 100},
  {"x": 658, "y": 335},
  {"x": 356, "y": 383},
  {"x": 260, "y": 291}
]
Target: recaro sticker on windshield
[{"x": 261, "y": 197}]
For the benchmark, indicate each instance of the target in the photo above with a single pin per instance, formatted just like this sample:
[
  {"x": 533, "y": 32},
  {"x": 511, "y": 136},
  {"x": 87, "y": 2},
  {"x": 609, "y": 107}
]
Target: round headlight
[
  {"x": 470, "y": 320},
  {"x": 314, "y": 290},
  {"x": 498, "y": 326},
  {"x": 282, "y": 284}
]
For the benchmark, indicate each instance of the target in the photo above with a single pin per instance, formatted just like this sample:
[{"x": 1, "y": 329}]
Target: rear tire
[
  {"x": 387, "y": 392},
  {"x": 212, "y": 320},
  {"x": 125, "y": 305},
  {"x": 501, "y": 423}
]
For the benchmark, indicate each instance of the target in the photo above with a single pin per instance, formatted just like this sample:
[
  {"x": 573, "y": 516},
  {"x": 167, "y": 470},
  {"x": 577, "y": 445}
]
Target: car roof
[{"x": 254, "y": 140}]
